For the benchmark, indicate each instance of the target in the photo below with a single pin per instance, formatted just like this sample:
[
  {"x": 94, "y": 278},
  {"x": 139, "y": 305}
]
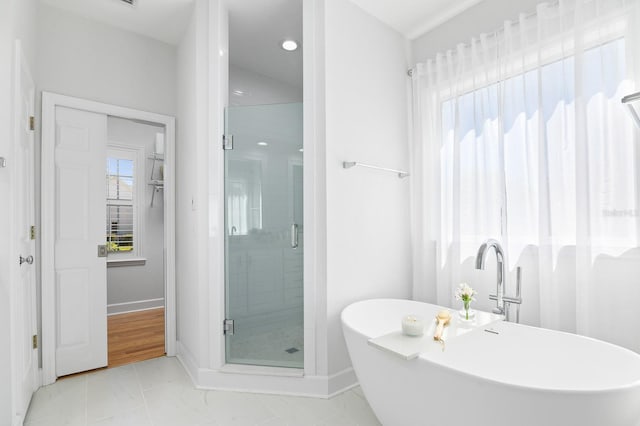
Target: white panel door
[
  {"x": 25, "y": 356},
  {"x": 81, "y": 274}
]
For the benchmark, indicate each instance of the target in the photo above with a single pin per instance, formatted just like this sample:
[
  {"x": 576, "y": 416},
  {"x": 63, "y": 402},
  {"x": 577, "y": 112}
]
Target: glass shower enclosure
[{"x": 264, "y": 235}]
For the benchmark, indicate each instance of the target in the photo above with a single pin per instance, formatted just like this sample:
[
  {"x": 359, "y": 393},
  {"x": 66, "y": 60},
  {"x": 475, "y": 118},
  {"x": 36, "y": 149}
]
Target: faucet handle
[
  {"x": 517, "y": 299},
  {"x": 518, "y": 292}
]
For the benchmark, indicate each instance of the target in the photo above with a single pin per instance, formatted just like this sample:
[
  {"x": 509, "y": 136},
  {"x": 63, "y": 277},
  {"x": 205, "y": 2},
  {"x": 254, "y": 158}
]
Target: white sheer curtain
[{"x": 520, "y": 136}]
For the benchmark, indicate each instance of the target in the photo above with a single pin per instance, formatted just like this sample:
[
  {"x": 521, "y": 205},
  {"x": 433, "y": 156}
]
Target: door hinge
[
  {"x": 228, "y": 327},
  {"x": 34, "y": 340},
  {"x": 32, "y": 232},
  {"x": 32, "y": 122},
  {"x": 227, "y": 141}
]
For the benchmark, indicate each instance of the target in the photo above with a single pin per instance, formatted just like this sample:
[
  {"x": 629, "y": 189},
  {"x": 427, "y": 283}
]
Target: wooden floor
[{"x": 135, "y": 336}]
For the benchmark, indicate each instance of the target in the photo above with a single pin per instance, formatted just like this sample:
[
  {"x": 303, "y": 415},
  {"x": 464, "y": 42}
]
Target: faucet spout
[{"x": 480, "y": 264}]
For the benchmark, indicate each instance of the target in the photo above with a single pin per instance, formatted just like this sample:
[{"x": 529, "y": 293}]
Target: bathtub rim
[{"x": 559, "y": 391}]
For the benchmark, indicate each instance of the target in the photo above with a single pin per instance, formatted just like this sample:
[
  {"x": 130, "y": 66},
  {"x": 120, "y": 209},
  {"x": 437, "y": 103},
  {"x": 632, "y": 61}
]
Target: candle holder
[{"x": 413, "y": 325}]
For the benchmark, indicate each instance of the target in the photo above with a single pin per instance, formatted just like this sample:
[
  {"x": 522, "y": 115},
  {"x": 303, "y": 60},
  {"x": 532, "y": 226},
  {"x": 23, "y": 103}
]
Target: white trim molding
[
  {"x": 266, "y": 380},
  {"x": 49, "y": 103},
  {"x": 135, "y": 306}
]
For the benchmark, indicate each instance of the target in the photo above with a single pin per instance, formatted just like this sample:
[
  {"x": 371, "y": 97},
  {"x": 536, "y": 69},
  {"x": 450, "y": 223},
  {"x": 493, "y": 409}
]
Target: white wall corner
[
  {"x": 315, "y": 210},
  {"x": 218, "y": 100}
]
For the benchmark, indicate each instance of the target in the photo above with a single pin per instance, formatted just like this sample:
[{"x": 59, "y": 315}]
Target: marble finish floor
[{"x": 158, "y": 392}]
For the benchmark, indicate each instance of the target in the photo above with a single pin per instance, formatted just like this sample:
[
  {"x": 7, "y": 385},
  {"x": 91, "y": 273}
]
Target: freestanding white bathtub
[{"x": 511, "y": 375}]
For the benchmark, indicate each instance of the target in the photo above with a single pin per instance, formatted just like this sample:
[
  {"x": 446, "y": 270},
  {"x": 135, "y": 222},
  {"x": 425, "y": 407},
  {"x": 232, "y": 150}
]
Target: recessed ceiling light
[
  {"x": 262, "y": 143},
  {"x": 301, "y": 150},
  {"x": 289, "y": 45}
]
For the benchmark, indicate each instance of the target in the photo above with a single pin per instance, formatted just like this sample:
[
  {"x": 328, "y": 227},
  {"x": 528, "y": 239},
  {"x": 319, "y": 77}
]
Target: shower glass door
[{"x": 264, "y": 235}]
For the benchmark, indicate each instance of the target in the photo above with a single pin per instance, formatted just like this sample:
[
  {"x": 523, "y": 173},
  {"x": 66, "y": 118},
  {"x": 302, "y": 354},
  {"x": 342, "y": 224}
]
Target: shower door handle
[{"x": 294, "y": 235}]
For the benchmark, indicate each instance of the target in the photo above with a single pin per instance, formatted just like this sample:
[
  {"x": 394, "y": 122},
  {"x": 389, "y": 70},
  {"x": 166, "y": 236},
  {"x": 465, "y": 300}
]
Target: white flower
[{"x": 465, "y": 293}]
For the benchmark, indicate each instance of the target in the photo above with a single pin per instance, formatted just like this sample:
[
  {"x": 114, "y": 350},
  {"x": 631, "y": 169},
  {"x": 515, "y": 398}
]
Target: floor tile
[
  {"x": 235, "y": 408},
  {"x": 355, "y": 409},
  {"x": 60, "y": 404},
  {"x": 158, "y": 392},
  {"x": 358, "y": 391},
  {"x": 159, "y": 371},
  {"x": 176, "y": 403},
  {"x": 300, "y": 411},
  {"x": 135, "y": 417},
  {"x": 111, "y": 392}
]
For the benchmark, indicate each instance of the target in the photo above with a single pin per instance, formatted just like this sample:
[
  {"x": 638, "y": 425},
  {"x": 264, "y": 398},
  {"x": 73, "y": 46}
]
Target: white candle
[
  {"x": 413, "y": 325},
  {"x": 160, "y": 143}
]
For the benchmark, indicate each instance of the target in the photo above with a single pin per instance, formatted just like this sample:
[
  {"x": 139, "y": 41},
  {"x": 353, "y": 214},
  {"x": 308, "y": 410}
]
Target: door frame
[{"x": 48, "y": 202}]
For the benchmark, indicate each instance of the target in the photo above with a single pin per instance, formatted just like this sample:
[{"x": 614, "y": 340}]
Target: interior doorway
[
  {"x": 107, "y": 235},
  {"x": 135, "y": 240}
]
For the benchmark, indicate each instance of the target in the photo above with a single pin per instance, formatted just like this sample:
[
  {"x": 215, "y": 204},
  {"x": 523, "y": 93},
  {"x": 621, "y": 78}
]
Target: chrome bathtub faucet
[{"x": 502, "y": 302}]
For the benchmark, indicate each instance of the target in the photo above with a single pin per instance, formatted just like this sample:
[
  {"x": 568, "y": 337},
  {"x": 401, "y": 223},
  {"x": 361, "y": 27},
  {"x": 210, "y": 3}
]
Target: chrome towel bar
[{"x": 349, "y": 164}]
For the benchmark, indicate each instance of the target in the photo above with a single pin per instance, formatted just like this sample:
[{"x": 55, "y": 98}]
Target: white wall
[
  {"x": 17, "y": 21},
  {"x": 368, "y": 236},
  {"x": 485, "y": 17},
  {"x": 130, "y": 284},
  {"x": 195, "y": 263},
  {"x": 188, "y": 330},
  {"x": 6, "y": 63},
  {"x": 258, "y": 89},
  {"x": 87, "y": 59}
]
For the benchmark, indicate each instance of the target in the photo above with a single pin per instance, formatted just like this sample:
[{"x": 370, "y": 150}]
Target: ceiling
[
  {"x": 256, "y": 31},
  {"x": 163, "y": 20},
  {"x": 257, "y": 27},
  {"x": 412, "y": 18}
]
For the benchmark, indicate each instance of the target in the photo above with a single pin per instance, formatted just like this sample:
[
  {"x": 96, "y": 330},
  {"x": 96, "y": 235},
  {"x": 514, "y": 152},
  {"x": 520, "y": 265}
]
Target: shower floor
[{"x": 278, "y": 343}]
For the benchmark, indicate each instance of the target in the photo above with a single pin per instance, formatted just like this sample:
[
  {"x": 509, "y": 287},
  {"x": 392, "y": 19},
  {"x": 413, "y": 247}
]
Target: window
[
  {"x": 511, "y": 155},
  {"x": 122, "y": 228}
]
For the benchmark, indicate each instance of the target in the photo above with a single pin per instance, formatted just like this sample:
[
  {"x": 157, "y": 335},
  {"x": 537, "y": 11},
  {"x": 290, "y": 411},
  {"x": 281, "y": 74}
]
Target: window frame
[{"x": 136, "y": 154}]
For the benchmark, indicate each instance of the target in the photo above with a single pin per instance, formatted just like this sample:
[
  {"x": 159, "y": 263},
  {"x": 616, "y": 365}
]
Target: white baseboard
[
  {"x": 253, "y": 382},
  {"x": 135, "y": 306},
  {"x": 188, "y": 361},
  {"x": 341, "y": 382},
  {"x": 39, "y": 378}
]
